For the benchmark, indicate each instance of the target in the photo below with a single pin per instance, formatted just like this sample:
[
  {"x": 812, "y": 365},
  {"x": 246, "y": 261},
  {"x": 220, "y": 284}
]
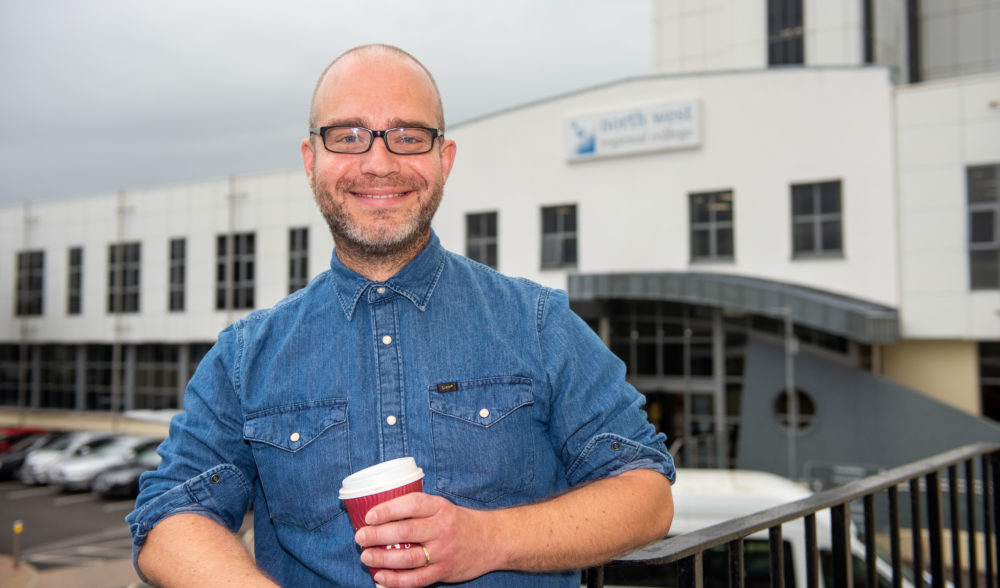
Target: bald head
[{"x": 374, "y": 54}]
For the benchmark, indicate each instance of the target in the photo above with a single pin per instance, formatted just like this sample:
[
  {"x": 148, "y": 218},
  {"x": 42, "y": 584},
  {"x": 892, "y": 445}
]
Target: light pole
[{"x": 792, "y": 405}]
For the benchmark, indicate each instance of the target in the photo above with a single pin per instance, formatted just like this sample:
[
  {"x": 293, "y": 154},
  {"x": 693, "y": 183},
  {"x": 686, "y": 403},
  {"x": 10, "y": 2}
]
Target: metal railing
[{"x": 936, "y": 527}]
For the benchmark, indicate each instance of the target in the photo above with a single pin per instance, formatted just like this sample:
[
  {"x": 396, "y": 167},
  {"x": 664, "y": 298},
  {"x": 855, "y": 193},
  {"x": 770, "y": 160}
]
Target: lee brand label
[{"x": 447, "y": 387}]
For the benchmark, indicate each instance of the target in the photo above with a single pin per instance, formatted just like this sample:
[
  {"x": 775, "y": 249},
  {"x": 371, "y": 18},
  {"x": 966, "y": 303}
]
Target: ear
[
  {"x": 447, "y": 155},
  {"x": 309, "y": 159}
]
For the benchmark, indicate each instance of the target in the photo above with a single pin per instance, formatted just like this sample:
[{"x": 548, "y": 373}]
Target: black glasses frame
[{"x": 321, "y": 131}]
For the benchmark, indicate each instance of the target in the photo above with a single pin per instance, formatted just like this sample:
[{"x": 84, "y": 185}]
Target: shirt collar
[{"x": 416, "y": 281}]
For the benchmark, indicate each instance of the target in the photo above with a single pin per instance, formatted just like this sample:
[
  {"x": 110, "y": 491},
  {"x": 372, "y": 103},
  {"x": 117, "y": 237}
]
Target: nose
[{"x": 379, "y": 161}]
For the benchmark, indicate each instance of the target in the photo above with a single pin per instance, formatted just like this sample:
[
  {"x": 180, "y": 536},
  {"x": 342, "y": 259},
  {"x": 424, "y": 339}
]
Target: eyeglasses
[{"x": 400, "y": 140}]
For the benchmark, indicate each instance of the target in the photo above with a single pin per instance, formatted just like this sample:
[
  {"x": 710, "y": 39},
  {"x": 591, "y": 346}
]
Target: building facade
[{"x": 805, "y": 194}]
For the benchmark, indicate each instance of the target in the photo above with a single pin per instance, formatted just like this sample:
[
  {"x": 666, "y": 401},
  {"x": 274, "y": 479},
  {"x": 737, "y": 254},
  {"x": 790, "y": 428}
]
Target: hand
[{"x": 456, "y": 538}]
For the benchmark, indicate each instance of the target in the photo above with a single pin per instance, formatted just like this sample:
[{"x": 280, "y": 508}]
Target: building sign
[{"x": 657, "y": 127}]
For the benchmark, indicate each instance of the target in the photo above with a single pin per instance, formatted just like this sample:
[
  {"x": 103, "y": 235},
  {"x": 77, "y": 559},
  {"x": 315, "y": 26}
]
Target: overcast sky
[{"x": 102, "y": 95}]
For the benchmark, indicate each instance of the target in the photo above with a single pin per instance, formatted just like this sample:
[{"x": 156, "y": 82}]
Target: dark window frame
[
  {"x": 481, "y": 241},
  {"x": 74, "y": 280},
  {"x": 785, "y": 32},
  {"x": 30, "y": 286},
  {"x": 298, "y": 258},
  {"x": 560, "y": 236},
  {"x": 235, "y": 271},
  {"x": 709, "y": 225},
  {"x": 176, "y": 274},
  {"x": 124, "y": 277},
  {"x": 812, "y": 217},
  {"x": 983, "y": 201}
]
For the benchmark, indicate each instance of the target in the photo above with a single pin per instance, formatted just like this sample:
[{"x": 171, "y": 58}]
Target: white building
[{"x": 831, "y": 168}]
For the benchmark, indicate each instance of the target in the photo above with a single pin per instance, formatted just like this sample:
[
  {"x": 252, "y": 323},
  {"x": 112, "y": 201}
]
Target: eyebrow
[{"x": 396, "y": 122}]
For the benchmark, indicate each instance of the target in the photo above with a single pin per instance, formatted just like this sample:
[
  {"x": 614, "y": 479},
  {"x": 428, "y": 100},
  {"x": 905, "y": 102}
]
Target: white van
[{"x": 703, "y": 498}]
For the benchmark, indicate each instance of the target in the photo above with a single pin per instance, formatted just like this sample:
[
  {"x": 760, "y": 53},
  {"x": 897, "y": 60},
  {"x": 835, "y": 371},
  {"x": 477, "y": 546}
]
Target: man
[{"x": 538, "y": 459}]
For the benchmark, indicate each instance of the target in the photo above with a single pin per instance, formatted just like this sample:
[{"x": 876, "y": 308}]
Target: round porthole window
[{"x": 806, "y": 412}]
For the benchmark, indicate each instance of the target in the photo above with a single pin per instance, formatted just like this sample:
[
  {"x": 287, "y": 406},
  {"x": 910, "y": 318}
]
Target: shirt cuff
[
  {"x": 609, "y": 454},
  {"x": 221, "y": 494}
]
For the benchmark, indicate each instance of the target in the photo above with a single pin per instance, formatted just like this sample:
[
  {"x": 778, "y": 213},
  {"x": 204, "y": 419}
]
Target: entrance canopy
[{"x": 858, "y": 320}]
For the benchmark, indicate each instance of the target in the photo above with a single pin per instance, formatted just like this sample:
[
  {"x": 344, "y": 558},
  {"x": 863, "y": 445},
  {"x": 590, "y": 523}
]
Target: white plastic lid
[{"x": 381, "y": 477}]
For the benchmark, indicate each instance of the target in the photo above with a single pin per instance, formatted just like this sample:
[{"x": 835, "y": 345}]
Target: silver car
[
  {"x": 76, "y": 472},
  {"x": 38, "y": 464}
]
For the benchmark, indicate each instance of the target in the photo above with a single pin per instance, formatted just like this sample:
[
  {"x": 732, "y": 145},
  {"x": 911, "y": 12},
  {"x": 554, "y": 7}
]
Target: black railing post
[
  {"x": 736, "y": 563},
  {"x": 840, "y": 522},
  {"x": 956, "y": 527},
  {"x": 689, "y": 572},
  {"x": 916, "y": 533},
  {"x": 970, "y": 521},
  {"x": 934, "y": 527},
  {"x": 871, "y": 553},
  {"x": 989, "y": 472},
  {"x": 812, "y": 552},
  {"x": 595, "y": 577},
  {"x": 895, "y": 550},
  {"x": 777, "y": 545}
]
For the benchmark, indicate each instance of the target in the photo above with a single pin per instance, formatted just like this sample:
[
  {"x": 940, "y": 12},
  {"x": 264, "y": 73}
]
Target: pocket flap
[
  {"x": 293, "y": 426},
  {"x": 481, "y": 402}
]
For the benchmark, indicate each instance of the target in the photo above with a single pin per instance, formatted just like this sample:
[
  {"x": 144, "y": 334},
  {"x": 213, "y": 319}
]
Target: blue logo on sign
[{"x": 586, "y": 140}]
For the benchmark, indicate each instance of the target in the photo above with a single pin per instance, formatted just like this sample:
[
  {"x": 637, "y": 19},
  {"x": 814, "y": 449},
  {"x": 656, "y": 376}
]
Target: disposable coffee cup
[{"x": 376, "y": 484}]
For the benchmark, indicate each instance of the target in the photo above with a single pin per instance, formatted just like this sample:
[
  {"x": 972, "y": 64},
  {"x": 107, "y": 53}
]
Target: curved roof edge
[{"x": 856, "y": 319}]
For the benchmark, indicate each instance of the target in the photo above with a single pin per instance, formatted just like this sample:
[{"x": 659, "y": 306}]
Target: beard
[{"x": 382, "y": 237}]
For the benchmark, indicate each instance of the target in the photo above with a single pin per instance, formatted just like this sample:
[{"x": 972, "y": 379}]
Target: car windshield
[{"x": 118, "y": 446}]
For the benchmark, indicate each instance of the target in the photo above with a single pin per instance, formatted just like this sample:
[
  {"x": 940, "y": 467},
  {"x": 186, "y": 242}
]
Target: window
[
  {"x": 816, "y": 220},
  {"x": 74, "y": 281},
  {"x": 989, "y": 378},
  {"x": 123, "y": 277},
  {"x": 298, "y": 258},
  {"x": 234, "y": 271},
  {"x": 176, "y": 269},
  {"x": 983, "y": 185},
  {"x": 559, "y": 236},
  {"x": 712, "y": 226},
  {"x": 30, "y": 274},
  {"x": 804, "y": 415},
  {"x": 784, "y": 32},
  {"x": 481, "y": 238}
]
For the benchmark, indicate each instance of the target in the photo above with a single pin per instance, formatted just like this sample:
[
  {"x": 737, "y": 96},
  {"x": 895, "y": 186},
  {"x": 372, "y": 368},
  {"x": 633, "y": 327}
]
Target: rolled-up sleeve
[
  {"x": 207, "y": 468},
  {"x": 598, "y": 421}
]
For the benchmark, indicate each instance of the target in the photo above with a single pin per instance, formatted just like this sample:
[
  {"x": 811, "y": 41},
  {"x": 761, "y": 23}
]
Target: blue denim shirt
[{"x": 500, "y": 392}]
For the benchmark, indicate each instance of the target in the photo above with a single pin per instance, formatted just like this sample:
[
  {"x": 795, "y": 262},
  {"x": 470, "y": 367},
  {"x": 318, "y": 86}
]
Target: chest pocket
[
  {"x": 483, "y": 437},
  {"x": 302, "y": 454}
]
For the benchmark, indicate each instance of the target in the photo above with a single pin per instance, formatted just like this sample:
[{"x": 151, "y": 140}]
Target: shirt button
[
  {"x": 380, "y": 289},
  {"x": 391, "y": 420},
  {"x": 386, "y": 339},
  {"x": 294, "y": 437},
  {"x": 484, "y": 413}
]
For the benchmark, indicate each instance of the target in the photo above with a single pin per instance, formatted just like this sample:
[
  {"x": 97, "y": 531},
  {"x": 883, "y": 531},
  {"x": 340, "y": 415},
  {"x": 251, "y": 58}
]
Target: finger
[
  {"x": 407, "y": 506},
  {"x": 394, "y": 557},
  {"x": 405, "y": 531},
  {"x": 408, "y": 578}
]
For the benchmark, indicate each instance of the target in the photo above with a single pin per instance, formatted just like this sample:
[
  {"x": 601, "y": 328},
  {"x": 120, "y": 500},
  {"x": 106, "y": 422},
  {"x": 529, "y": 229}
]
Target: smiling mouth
[{"x": 380, "y": 196}]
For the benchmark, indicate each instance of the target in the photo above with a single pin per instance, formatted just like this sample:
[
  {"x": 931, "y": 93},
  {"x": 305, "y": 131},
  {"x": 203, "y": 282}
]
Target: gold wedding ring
[{"x": 427, "y": 555}]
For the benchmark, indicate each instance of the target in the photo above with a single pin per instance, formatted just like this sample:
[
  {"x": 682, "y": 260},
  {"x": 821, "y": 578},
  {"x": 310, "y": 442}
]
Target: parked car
[
  {"x": 11, "y": 461},
  {"x": 39, "y": 462},
  {"x": 10, "y": 436},
  {"x": 76, "y": 472},
  {"x": 123, "y": 481}
]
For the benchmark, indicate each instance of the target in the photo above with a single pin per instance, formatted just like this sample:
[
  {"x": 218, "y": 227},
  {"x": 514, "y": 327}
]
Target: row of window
[
  {"x": 816, "y": 231},
  {"x": 817, "y": 227},
  {"x": 234, "y": 281}
]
